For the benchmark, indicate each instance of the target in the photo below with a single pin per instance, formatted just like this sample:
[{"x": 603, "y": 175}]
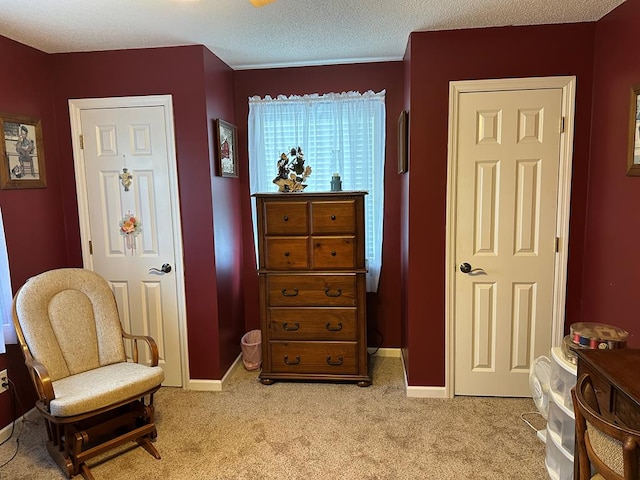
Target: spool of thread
[{"x": 336, "y": 183}]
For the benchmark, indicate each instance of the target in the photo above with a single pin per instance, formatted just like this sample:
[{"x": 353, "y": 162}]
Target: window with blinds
[{"x": 338, "y": 133}]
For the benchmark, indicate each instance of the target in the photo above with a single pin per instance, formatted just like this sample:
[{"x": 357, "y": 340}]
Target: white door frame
[
  {"x": 165, "y": 101},
  {"x": 568, "y": 86}
]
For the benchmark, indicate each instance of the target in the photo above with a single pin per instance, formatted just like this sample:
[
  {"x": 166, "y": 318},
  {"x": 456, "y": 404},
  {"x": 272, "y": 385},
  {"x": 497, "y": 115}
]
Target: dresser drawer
[
  {"x": 602, "y": 388},
  {"x": 314, "y": 357},
  {"x": 311, "y": 323},
  {"x": 627, "y": 412},
  {"x": 333, "y": 253},
  {"x": 286, "y": 218},
  {"x": 312, "y": 290},
  {"x": 286, "y": 253},
  {"x": 333, "y": 217}
]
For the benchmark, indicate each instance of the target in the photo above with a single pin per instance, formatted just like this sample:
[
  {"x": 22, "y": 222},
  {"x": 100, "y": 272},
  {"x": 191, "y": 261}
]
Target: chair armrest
[
  {"x": 41, "y": 380},
  {"x": 153, "y": 347}
]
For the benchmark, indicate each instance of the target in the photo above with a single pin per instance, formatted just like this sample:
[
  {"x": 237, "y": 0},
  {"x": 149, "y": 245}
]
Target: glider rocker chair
[
  {"x": 612, "y": 450},
  {"x": 91, "y": 397}
]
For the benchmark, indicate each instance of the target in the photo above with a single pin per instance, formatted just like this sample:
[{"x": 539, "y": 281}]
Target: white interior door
[
  {"x": 508, "y": 158},
  {"x": 126, "y": 162}
]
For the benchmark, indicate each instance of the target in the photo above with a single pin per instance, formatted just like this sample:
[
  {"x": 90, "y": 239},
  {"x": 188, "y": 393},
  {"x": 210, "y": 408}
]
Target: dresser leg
[
  {"x": 266, "y": 381},
  {"x": 364, "y": 383}
]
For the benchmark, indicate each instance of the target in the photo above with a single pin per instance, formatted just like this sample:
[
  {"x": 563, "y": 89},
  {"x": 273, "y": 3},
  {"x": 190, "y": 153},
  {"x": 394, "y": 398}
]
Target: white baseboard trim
[
  {"x": 213, "y": 385},
  {"x": 427, "y": 392},
  {"x": 5, "y": 433},
  {"x": 422, "y": 392},
  {"x": 385, "y": 352}
]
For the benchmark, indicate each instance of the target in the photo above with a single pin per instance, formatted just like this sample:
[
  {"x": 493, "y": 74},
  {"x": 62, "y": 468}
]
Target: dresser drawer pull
[
  {"x": 333, "y": 217},
  {"x": 337, "y": 363},
  {"x": 295, "y": 327},
  {"x": 286, "y": 254},
  {"x": 285, "y": 294},
  {"x": 296, "y": 362},
  {"x": 334, "y": 329},
  {"x": 329, "y": 294},
  {"x": 285, "y": 218},
  {"x": 333, "y": 253}
]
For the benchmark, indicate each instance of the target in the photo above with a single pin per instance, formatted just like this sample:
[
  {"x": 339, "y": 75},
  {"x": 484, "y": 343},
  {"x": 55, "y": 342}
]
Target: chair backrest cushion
[
  {"x": 607, "y": 448},
  {"x": 70, "y": 321}
]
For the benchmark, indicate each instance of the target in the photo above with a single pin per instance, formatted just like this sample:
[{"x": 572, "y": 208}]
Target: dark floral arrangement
[{"x": 292, "y": 172}]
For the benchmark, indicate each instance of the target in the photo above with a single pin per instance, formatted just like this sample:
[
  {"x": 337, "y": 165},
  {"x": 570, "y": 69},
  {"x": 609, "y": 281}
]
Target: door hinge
[
  {"x": 557, "y": 244},
  {"x": 81, "y": 142},
  {"x": 90, "y": 247},
  {"x": 562, "y": 125}
]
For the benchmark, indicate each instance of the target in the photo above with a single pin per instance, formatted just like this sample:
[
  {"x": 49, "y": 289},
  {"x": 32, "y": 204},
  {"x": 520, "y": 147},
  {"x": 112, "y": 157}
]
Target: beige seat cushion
[{"x": 101, "y": 387}]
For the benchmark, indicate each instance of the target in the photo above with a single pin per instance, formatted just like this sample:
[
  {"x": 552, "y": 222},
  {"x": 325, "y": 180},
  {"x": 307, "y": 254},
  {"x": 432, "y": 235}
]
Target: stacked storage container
[{"x": 560, "y": 441}]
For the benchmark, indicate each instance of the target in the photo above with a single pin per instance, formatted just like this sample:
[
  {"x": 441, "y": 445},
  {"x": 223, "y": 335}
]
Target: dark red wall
[
  {"x": 227, "y": 217},
  {"x": 33, "y": 219},
  {"x": 611, "y": 274},
  {"x": 383, "y": 307},
  {"x": 178, "y": 71},
  {"x": 42, "y": 225},
  {"x": 436, "y": 59}
]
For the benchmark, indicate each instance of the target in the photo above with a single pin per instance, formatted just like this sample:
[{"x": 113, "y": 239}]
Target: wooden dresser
[
  {"x": 616, "y": 378},
  {"x": 312, "y": 286}
]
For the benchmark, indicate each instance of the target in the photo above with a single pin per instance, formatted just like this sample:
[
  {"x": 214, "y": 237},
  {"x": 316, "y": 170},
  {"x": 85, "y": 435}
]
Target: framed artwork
[
  {"x": 403, "y": 137},
  {"x": 226, "y": 156},
  {"x": 22, "y": 149},
  {"x": 633, "y": 158}
]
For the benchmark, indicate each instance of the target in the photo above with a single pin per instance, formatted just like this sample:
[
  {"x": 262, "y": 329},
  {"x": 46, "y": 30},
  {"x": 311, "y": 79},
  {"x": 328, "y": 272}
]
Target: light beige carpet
[{"x": 313, "y": 431}]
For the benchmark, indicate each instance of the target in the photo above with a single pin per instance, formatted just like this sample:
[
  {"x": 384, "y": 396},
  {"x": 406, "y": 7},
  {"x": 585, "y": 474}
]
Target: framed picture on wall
[
  {"x": 226, "y": 156},
  {"x": 403, "y": 140},
  {"x": 633, "y": 159},
  {"x": 22, "y": 151}
]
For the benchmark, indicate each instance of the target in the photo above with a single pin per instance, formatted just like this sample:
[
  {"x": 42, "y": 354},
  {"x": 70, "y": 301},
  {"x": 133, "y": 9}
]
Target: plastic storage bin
[
  {"x": 560, "y": 432},
  {"x": 563, "y": 377},
  {"x": 561, "y": 424},
  {"x": 559, "y": 463}
]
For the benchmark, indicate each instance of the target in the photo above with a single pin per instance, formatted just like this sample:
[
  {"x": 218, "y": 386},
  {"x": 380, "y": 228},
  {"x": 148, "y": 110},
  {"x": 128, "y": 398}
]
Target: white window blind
[{"x": 338, "y": 133}]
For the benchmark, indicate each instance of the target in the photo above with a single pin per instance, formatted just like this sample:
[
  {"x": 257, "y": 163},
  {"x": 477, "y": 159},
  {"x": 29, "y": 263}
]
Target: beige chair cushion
[
  {"x": 607, "y": 448},
  {"x": 70, "y": 321},
  {"x": 103, "y": 386}
]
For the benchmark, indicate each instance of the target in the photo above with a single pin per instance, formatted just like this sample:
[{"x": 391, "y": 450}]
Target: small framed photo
[
  {"x": 403, "y": 137},
  {"x": 226, "y": 155},
  {"x": 22, "y": 149}
]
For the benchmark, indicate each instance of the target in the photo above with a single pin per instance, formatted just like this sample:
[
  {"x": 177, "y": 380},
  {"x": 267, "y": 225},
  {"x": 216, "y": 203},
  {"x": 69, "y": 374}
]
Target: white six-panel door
[
  {"x": 508, "y": 165},
  {"x": 148, "y": 298}
]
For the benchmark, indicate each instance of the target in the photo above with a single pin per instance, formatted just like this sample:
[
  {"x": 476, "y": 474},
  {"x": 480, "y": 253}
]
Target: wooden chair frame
[
  {"x": 587, "y": 411},
  {"x": 74, "y": 440}
]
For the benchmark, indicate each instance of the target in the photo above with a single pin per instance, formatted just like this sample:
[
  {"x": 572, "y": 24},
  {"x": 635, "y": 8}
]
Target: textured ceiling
[{"x": 284, "y": 33}]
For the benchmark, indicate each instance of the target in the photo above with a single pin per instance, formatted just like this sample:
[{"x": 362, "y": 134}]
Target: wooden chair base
[{"x": 71, "y": 444}]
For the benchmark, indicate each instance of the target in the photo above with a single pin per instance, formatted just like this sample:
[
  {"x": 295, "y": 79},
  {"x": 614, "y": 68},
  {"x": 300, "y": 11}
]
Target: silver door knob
[
  {"x": 467, "y": 268},
  {"x": 166, "y": 268}
]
